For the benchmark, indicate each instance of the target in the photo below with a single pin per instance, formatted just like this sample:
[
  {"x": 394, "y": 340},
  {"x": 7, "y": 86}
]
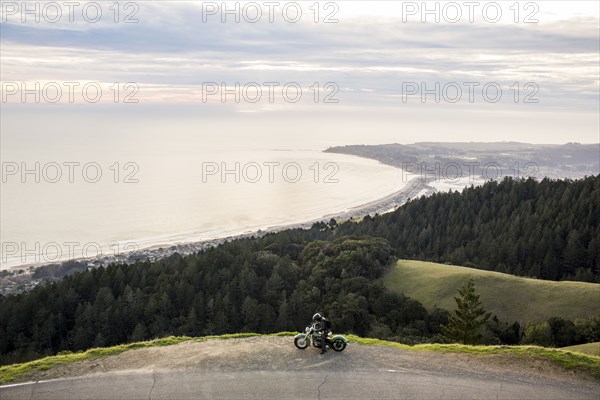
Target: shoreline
[{"x": 413, "y": 188}]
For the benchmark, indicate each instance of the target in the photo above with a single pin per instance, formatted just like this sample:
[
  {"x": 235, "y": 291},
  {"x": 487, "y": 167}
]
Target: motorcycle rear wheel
[{"x": 338, "y": 345}]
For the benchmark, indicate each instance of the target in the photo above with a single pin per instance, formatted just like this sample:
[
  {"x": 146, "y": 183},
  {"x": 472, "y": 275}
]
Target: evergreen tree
[
  {"x": 464, "y": 326},
  {"x": 139, "y": 333}
]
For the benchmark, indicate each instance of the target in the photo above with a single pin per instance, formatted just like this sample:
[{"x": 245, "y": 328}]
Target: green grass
[
  {"x": 510, "y": 297},
  {"x": 567, "y": 359},
  {"x": 591, "y": 349}
]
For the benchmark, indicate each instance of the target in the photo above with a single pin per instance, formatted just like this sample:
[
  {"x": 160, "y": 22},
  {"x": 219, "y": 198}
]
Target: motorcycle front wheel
[
  {"x": 301, "y": 342},
  {"x": 338, "y": 345}
]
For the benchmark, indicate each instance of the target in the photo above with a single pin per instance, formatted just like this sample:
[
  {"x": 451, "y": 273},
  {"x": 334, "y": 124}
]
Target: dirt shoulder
[{"x": 272, "y": 353}]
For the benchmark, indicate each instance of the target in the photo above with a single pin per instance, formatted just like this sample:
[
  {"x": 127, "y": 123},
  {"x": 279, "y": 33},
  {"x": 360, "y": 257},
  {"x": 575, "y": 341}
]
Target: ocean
[{"x": 68, "y": 195}]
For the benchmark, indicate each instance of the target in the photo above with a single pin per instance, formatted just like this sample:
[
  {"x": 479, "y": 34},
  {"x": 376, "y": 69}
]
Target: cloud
[{"x": 172, "y": 47}]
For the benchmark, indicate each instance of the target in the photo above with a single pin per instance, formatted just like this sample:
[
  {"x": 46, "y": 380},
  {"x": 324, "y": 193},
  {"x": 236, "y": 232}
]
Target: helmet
[{"x": 317, "y": 317}]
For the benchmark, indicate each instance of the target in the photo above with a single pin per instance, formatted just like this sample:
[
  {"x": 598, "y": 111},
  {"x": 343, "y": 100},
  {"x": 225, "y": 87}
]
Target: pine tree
[
  {"x": 139, "y": 332},
  {"x": 464, "y": 326},
  {"x": 283, "y": 317}
]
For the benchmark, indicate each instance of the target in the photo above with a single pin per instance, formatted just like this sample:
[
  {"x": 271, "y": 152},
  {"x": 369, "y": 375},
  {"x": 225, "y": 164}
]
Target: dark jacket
[{"x": 323, "y": 325}]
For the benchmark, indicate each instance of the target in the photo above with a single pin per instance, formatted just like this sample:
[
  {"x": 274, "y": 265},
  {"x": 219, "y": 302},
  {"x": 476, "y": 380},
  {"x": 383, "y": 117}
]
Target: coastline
[
  {"x": 26, "y": 280},
  {"x": 378, "y": 206}
]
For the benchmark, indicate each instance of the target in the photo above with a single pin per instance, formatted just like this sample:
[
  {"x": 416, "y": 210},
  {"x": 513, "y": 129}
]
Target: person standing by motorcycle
[{"x": 322, "y": 325}]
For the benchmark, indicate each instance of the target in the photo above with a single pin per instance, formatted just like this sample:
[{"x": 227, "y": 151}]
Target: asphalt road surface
[{"x": 271, "y": 368}]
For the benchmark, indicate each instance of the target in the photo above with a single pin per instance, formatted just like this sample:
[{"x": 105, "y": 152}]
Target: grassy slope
[
  {"x": 573, "y": 361},
  {"x": 592, "y": 349},
  {"x": 510, "y": 297}
]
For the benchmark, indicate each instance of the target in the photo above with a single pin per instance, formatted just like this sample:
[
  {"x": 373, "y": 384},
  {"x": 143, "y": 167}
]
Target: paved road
[
  {"x": 286, "y": 385},
  {"x": 274, "y": 370}
]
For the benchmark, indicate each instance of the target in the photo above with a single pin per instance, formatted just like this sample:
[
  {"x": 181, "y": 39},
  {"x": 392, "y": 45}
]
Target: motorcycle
[{"x": 303, "y": 340}]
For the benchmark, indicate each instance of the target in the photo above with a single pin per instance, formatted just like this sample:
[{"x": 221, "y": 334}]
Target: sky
[{"x": 355, "y": 72}]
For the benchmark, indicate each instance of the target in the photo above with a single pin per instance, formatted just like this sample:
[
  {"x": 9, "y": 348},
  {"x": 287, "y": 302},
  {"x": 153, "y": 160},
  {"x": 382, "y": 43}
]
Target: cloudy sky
[{"x": 379, "y": 62}]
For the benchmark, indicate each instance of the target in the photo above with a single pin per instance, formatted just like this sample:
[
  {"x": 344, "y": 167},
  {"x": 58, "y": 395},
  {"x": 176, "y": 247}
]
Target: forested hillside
[
  {"x": 548, "y": 229},
  {"x": 265, "y": 285}
]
